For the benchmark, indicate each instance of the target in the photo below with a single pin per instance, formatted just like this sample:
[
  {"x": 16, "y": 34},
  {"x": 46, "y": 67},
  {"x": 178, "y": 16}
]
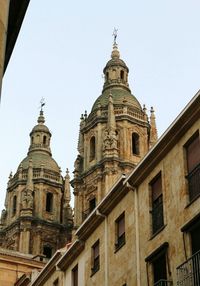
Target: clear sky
[{"x": 60, "y": 54}]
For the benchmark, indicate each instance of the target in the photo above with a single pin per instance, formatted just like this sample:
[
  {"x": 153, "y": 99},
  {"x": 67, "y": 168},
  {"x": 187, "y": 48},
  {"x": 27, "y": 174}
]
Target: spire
[
  {"x": 153, "y": 131},
  {"x": 40, "y": 135},
  {"x": 41, "y": 119},
  {"x": 67, "y": 188},
  {"x": 116, "y": 71}
]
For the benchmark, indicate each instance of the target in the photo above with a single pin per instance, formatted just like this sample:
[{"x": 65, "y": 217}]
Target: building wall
[
  {"x": 4, "y": 9},
  {"x": 177, "y": 211}
]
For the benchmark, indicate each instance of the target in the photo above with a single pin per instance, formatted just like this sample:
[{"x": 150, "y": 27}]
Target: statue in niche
[
  {"x": 110, "y": 140},
  {"x": 78, "y": 163},
  {"x": 27, "y": 199}
]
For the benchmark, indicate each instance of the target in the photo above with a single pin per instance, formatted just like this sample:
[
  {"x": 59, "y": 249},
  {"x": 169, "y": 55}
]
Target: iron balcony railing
[
  {"x": 194, "y": 182},
  {"x": 188, "y": 273},
  {"x": 157, "y": 217},
  {"x": 163, "y": 282}
]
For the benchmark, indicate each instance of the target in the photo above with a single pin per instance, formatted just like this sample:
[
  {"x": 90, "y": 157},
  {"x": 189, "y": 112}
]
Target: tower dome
[
  {"x": 116, "y": 81},
  {"x": 39, "y": 150}
]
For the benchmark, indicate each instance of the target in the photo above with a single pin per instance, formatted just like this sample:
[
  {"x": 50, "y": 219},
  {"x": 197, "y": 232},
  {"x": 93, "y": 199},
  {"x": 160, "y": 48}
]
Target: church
[{"x": 136, "y": 218}]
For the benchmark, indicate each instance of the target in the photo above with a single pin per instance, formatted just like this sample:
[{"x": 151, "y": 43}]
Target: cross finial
[
  {"x": 42, "y": 103},
  {"x": 115, "y": 36}
]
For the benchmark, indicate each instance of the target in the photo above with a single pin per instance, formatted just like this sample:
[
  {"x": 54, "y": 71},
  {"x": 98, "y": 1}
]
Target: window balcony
[
  {"x": 194, "y": 183},
  {"x": 163, "y": 282},
  {"x": 188, "y": 273}
]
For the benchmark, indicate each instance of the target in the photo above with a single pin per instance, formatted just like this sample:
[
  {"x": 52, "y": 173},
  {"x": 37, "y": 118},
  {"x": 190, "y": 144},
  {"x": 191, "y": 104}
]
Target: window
[
  {"x": 135, "y": 144},
  {"x": 92, "y": 148},
  {"x": 95, "y": 257},
  {"x": 75, "y": 276},
  {"x": 92, "y": 204},
  {"x": 195, "y": 239},
  {"x": 193, "y": 166},
  {"x": 44, "y": 140},
  {"x": 107, "y": 75},
  {"x": 120, "y": 231},
  {"x": 56, "y": 282},
  {"x": 158, "y": 260},
  {"x": 159, "y": 268},
  {"x": 122, "y": 74},
  {"x": 157, "y": 204},
  {"x": 47, "y": 251},
  {"x": 14, "y": 204},
  {"x": 49, "y": 202}
]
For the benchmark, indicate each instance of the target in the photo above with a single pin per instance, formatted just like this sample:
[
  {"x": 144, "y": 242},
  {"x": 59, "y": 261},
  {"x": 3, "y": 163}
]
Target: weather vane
[
  {"x": 42, "y": 103},
  {"x": 115, "y": 35}
]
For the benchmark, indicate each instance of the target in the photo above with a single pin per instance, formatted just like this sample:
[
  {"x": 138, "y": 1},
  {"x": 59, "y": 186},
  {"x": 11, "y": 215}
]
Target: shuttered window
[
  {"x": 193, "y": 153},
  {"x": 193, "y": 166},
  {"x": 157, "y": 204}
]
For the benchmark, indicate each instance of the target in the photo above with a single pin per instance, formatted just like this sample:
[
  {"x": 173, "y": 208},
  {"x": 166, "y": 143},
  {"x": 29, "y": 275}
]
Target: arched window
[
  {"x": 47, "y": 251},
  {"x": 107, "y": 75},
  {"x": 122, "y": 74},
  {"x": 14, "y": 206},
  {"x": 92, "y": 148},
  {"x": 135, "y": 144},
  {"x": 44, "y": 139},
  {"x": 49, "y": 202},
  {"x": 31, "y": 139},
  {"x": 92, "y": 204}
]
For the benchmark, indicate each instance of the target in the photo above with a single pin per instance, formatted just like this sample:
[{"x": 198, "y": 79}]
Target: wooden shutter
[
  {"x": 193, "y": 153},
  {"x": 156, "y": 187}
]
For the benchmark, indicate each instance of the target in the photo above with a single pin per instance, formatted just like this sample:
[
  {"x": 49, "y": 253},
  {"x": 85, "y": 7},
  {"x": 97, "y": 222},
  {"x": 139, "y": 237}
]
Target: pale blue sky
[{"x": 60, "y": 54}]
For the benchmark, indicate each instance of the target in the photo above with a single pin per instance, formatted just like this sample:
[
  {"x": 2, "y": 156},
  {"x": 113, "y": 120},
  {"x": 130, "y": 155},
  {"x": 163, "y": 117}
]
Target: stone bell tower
[
  {"x": 37, "y": 218},
  {"x": 113, "y": 138}
]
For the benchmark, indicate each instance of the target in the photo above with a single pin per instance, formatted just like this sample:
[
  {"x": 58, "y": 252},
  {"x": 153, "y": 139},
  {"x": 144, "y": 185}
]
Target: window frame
[
  {"x": 49, "y": 202},
  {"x": 157, "y": 205},
  {"x": 135, "y": 143},
  {"x": 92, "y": 148},
  {"x": 192, "y": 174},
  {"x": 95, "y": 259},
  {"x": 120, "y": 239}
]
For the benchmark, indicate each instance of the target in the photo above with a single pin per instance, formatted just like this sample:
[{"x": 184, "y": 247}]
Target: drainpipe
[
  {"x": 137, "y": 240},
  {"x": 106, "y": 244}
]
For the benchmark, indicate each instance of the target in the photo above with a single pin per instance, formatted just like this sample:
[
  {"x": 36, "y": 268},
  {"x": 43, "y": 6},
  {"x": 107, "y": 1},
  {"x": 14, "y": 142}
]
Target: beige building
[
  {"x": 15, "y": 265},
  {"x": 12, "y": 13},
  {"x": 146, "y": 229}
]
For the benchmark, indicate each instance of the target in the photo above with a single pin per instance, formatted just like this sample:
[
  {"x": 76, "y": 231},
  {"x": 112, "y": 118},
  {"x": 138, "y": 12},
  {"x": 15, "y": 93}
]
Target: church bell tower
[
  {"x": 37, "y": 218},
  {"x": 113, "y": 138}
]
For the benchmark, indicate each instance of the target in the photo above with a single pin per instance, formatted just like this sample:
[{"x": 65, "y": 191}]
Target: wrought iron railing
[
  {"x": 194, "y": 183},
  {"x": 157, "y": 217},
  {"x": 188, "y": 273},
  {"x": 163, "y": 282}
]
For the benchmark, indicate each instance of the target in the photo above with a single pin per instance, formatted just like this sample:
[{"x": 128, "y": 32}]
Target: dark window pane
[
  {"x": 159, "y": 268},
  {"x": 75, "y": 276}
]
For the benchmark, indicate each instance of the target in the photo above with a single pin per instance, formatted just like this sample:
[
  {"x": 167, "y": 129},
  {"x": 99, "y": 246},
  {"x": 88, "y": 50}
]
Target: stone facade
[
  {"x": 37, "y": 218},
  {"x": 146, "y": 229},
  {"x": 113, "y": 138}
]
